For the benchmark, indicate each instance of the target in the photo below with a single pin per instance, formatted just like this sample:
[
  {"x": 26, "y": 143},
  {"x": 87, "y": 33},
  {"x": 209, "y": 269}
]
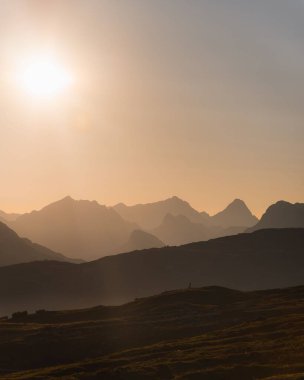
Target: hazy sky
[{"x": 200, "y": 99}]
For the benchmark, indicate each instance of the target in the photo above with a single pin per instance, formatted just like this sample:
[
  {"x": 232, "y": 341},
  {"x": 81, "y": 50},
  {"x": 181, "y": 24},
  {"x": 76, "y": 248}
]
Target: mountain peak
[
  {"x": 235, "y": 214},
  {"x": 175, "y": 200},
  {"x": 77, "y": 228},
  {"x": 282, "y": 214},
  {"x": 67, "y": 199},
  {"x": 237, "y": 204}
]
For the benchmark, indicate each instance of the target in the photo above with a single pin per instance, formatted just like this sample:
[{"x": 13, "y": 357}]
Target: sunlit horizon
[{"x": 99, "y": 103}]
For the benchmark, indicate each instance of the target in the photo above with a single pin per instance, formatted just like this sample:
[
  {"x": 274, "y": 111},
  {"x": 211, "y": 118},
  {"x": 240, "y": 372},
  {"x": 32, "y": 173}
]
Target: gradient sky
[{"x": 199, "y": 99}]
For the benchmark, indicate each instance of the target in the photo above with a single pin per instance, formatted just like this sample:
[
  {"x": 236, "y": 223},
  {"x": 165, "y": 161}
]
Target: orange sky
[{"x": 202, "y": 100}]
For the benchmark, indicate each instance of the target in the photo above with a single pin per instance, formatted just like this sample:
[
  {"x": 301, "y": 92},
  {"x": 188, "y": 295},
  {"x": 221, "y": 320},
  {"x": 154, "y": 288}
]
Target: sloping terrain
[
  {"x": 281, "y": 215},
  {"x": 81, "y": 229},
  {"x": 15, "y": 250},
  {"x": 178, "y": 230},
  {"x": 8, "y": 217},
  {"x": 260, "y": 260},
  {"x": 208, "y": 333},
  {"x": 236, "y": 214},
  {"x": 141, "y": 240}
]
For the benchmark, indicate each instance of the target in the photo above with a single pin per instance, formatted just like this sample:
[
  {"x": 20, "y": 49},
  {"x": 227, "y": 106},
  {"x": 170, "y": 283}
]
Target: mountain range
[
  {"x": 149, "y": 216},
  {"x": 82, "y": 229},
  {"x": 259, "y": 260},
  {"x": 88, "y": 230}
]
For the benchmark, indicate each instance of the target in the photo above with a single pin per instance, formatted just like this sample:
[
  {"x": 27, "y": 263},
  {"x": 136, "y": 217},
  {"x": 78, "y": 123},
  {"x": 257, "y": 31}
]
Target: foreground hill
[
  {"x": 209, "y": 333},
  {"x": 81, "y": 229},
  {"x": 15, "y": 250},
  {"x": 281, "y": 215},
  {"x": 260, "y": 260}
]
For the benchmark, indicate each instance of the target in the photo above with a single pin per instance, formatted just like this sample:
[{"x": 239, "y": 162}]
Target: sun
[{"x": 44, "y": 77}]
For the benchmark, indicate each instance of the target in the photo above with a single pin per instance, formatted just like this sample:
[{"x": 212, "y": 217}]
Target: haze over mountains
[
  {"x": 178, "y": 230},
  {"x": 84, "y": 229},
  {"x": 15, "y": 250},
  {"x": 6, "y": 217},
  {"x": 88, "y": 230},
  {"x": 189, "y": 322},
  {"x": 176, "y": 222},
  {"x": 260, "y": 260},
  {"x": 151, "y": 215},
  {"x": 236, "y": 214},
  {"x": 141, "y": 240}
]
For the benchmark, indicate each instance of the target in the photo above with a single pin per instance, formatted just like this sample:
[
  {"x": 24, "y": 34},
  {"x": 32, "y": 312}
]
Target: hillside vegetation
[{"x": 207, "y": 333}]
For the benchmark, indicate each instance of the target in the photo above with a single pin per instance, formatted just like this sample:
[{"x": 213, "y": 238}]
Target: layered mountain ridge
[
  {"x": 15, "y": 250},
  {"x": 282, "y": 214},
  {"x": 260, "y": 260}
]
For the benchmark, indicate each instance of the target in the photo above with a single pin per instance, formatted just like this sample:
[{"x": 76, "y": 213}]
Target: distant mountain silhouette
[
  {"x": 151, "y": 215},
  {"x": 178, "y": 230},
  {"x": 5, "y": 217},
  {"x": 81, "y": 229},
  {"x": 281, "y": 215},
  {"x": 141, "y": 240},
  {"x": 15, "y": 250},
  {"x": 235, "y": 214},
  {"x": 259, "y": 260}
]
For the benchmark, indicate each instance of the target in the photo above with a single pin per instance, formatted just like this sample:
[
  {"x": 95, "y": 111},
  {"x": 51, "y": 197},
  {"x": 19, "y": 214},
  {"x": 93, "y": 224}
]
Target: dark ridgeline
[
  {"x": 15, "y": 250},
  {"x": 281, "y": 215},
  {"x": 260, "y": 260},
  {"x": 202, "y": 333}
]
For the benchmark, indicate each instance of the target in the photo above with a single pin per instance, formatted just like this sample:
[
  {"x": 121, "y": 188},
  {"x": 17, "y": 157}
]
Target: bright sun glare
[{"x": 44, "y": 77}]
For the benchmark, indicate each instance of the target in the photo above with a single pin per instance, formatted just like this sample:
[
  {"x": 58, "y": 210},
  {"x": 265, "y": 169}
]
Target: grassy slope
[{"x": 208, "y": 333}]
